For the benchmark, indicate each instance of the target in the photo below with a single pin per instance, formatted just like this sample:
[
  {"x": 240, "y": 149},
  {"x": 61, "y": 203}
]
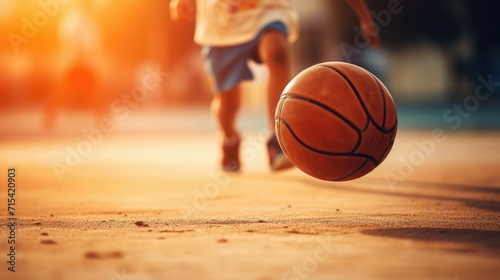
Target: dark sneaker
[
  {"x": 277, "y": 159},
  {"x": 231, "y": 154}
]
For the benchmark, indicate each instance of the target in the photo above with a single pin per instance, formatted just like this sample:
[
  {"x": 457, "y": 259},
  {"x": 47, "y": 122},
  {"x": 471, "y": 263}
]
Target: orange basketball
[{"x": 336, "y": 121}]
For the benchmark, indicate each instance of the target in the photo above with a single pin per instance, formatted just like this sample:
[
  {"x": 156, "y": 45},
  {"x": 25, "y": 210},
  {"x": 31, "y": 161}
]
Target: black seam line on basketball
[
  {"x": 385, "y": 151},
  {"x": 383, "y": 99},
  {"x": 366, "y": 125},
  {"x": 357, "y": 95},
  {"x": 391, "y": 129},
  {"x": 385, "y": 104},
  {"x": 367, "y": 157},
  {"x": 368, "y": 116},
  {"x": 281, "y": 103},
  {"x": 386, "y": 131},
  {"x": 348, "y": 122},
  {"x": 353, "y": 172},
  {"x": 394, "y": 126}
]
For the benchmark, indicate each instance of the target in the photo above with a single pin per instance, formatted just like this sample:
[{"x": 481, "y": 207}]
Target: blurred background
[{"x": 67, "y": 64}]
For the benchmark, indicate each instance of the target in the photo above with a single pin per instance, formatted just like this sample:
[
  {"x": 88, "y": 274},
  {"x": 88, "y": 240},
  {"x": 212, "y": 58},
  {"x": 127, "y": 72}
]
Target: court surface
[{"x": 155, "y": 206}]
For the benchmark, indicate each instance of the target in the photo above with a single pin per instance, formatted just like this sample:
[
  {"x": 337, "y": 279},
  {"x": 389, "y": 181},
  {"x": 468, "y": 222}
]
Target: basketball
[{"x": 336, "y": 121}]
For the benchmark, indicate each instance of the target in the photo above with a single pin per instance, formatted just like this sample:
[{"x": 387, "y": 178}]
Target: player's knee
[
  {"x": 277, "y": 55},
  {"x": 274, "y": 50}
]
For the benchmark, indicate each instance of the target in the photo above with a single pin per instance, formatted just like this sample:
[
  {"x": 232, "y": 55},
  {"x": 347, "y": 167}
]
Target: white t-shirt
[{"x": 233, "y": 22}]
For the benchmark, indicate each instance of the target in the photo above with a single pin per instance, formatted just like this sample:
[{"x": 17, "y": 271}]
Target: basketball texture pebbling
[{"x": 336, "y": 121}]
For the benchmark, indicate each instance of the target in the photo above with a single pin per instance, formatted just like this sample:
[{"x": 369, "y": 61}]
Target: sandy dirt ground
[{"x": 155, "y": 206}]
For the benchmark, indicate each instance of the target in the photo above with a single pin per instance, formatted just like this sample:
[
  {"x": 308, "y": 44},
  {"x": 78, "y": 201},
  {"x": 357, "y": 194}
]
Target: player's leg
[
  {"x": 227, "y": 67},
  {"x": 225, "y": 107},
  {"x": 275, "y": 53}
]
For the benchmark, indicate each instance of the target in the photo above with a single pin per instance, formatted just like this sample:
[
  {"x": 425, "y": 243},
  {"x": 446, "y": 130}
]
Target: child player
[{"x": 235, "y": 31}]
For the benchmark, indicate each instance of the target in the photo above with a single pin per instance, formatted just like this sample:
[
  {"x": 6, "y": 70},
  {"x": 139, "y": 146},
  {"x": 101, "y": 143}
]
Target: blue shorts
[{"x": 228, "y": 66}]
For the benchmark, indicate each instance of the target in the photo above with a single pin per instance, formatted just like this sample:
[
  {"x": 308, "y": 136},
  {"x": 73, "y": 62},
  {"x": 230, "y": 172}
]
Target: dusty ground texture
[{"x": 155, "y": 206}]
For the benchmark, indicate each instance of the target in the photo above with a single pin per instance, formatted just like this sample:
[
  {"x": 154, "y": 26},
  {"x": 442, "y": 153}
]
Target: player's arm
[
  {"x": 365, "y": 19},
  {"x": 183, "y": 10}
]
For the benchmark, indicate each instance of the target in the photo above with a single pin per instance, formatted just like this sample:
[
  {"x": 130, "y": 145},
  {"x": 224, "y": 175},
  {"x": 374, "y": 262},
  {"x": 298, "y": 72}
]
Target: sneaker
[
  {"x": 231, "y": 154},
  {"x": 277, "y": 159}
]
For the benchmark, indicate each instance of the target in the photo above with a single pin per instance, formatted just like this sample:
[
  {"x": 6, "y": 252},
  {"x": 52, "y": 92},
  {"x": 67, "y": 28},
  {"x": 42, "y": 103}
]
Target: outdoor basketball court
[{"x": 154, "y": 205}]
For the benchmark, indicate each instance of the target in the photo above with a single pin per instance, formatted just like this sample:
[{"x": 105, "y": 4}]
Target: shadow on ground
[
  {"x": 486, "y": 203},
  {"x": 485, "y": 239}
]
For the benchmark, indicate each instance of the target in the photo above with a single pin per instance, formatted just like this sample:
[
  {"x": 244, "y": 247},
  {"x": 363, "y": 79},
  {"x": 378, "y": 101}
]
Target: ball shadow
[
  {"x": 485, "y": 191},
  {"x": 487, "y": 240}
]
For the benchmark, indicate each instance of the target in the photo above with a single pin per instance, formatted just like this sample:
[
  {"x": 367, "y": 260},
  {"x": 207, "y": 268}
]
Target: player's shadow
[
  {"x": 485, "y": 191},
  {"x": 485, "y": 240}
]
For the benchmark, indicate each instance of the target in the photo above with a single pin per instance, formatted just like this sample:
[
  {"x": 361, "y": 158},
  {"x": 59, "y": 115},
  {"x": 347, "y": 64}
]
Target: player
[{"x": 235, "y": 31}]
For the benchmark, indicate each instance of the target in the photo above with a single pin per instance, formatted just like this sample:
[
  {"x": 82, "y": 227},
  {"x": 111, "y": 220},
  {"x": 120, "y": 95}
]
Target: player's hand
[
  {"x": 182, "y": 10},
  {"x": 371, "y": 33}
]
